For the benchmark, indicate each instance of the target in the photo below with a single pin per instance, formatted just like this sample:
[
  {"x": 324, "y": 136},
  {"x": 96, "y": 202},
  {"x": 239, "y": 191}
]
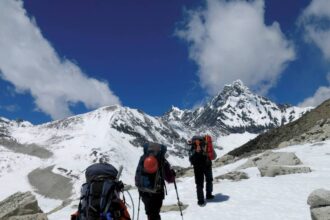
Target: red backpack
[{"x": 209, "y": 147}]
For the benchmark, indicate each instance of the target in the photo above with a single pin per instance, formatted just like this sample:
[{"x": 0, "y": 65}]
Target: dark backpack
[
  {"x": 100, "y": 198},
  {"x": 152, "y": 183},
  {"x": 202, "y": 151}
]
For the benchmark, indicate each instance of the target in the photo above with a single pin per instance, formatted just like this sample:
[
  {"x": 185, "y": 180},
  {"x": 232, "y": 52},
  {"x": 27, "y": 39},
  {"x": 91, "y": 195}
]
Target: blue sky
[{"x": 68, "y": 57}]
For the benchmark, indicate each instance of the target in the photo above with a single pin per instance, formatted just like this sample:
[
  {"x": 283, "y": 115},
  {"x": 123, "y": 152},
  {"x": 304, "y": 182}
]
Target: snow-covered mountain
[
  {"x": 235, "y": 110},
  {"x": 38, "y": 154}
]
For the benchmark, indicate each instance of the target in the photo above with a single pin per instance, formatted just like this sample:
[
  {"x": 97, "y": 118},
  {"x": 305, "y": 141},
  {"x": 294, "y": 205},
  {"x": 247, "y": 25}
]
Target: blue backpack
[
  {"x": 100, "y": 195},
  {"x": 151, "y": 183}
]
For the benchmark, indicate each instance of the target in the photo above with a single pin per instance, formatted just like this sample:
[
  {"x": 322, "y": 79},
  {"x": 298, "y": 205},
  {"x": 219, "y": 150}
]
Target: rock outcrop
[
  {"x": 234, "y": 176},
  {"x": 21, "y": 206},
  {"x": 312, "y": 126},
  {"x": 272, "y": 164},
  {"x": 174, "y": 207},
  {"x": 272, "y": 171},
  {"x": 50, "y": 184},
  {"x": 319, "y": 201}
]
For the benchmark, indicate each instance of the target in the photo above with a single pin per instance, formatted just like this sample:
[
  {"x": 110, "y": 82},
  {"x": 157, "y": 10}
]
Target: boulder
[
  {"x": 272, "y": 171},
  {"x": 319, "y": 198},
  {"x": 30, "y": 217},
  {"x": 224, "y": 160},
  {"x": 270, "y": 158},
  {"x": 322, "y": 213},
  {"x": 234, "y": 176},
  {"x": 174, "y": 207},
  {"x": 21, "y": 206},
  {"x": 319, "y": 201}
]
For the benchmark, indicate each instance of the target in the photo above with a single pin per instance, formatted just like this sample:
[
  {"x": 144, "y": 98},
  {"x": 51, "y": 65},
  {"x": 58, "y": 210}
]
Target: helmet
[{"x": 150, "y": 164}]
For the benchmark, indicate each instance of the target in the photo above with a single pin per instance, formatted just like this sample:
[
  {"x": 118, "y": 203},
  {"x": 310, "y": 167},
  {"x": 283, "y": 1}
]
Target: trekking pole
[
  {"x": 119, "y": 172},
  {"x": 129, "y": 194},
  {"x": 138, "y": 215},
  {"x": 177, "y": 196}
]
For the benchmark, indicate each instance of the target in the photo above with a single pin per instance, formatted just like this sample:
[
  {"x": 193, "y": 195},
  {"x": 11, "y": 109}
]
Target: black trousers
[
  {"x": 152, "y": 204},
  {"x": 201, "y": 171}
]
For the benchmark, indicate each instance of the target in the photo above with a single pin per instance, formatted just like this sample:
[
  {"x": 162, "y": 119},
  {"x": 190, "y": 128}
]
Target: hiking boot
[
  {"x": 210, "y": 196},
  {"x": 201, "y": 203}
]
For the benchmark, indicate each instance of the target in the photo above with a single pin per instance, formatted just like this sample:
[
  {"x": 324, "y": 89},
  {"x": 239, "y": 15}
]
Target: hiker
[
  {"x": 151, "y": 172},
  {"x": 201, "y": 155},
  {"x": 100, "y": 195}
]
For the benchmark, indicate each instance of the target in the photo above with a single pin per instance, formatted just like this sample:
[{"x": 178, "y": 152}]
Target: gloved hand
[{"x": 173, "y": 172}]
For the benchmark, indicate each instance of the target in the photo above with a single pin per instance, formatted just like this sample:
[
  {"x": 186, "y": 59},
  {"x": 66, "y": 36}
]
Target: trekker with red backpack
[
  {"x": 152, "y": 171},
  {"x": 201, "y": 155}
]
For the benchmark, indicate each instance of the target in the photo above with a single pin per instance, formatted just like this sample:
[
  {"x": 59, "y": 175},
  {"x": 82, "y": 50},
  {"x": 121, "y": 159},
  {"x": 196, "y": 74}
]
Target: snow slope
[{"x": 258, "y": 198}]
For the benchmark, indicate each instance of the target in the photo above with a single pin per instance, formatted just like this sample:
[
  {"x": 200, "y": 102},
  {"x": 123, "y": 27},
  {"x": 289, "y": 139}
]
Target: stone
[
  {"x": 322, "y": 213},
  {"x": 272, "y": 171},
  {"x": 319, "y": 198},
  {"x": 270, "y": 158},
  {"x": 30, "y": 217},
  {"x": 174, "y": 207},
  {"x": 234, "y": 176},
  {"x": 21, "y": 205}
]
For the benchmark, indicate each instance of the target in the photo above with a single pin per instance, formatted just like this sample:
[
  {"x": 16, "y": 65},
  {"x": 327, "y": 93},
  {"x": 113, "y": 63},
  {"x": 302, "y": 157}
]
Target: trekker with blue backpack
[
  {"x": 100, "y": 195},
  {"x": 151, "y": 173},
  {"x": 201, "y": 154}
]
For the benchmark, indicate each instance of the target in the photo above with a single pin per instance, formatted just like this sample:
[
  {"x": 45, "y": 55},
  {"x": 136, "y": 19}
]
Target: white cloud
[
  {"x": 229, "y": 40},
  {"x": 314, "y": 20},
  {"x": 30, "y": 63},
  {"x": 322, "y": 94}
]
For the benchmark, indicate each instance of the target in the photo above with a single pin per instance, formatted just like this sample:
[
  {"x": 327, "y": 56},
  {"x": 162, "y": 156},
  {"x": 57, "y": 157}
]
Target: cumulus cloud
[
  {"x": 31, "y": 64},
  {"x": 316, "y": 22},
  {"x": 321, "y": 94},
  {"x": 229, "y": 40}
]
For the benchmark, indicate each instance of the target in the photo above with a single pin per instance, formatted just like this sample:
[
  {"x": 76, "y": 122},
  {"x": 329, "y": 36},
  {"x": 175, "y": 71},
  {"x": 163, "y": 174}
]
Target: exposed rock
[
  {"x": 322, "y": 213},
  {"x": 272, "y": 171},
  {"x": 319, "y": 198},
  {"x": 30, "y": 217},
  {"x": 305, "y": 125},
  {"x": 21, "y": 206},
  {"x": 276, "y": 163},
  {"x": 29, "y": 149},
  {"x": 320, "y": 132},
  {"x": 270, "y": 158},
  {"x": 234, "y": 176},
  {"x": 184, "y": 172},
  {"x": 224, "y": 160},
  {"x": 174, "y": 207},
  {"x": 319, "y": 201},
  {"x": 50, "y": 184}
]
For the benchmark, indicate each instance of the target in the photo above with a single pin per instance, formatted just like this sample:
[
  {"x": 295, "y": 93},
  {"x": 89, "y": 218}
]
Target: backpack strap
[{"x": 107, "y": 187}]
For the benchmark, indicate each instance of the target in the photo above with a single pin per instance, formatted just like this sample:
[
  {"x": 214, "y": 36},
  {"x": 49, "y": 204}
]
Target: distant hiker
[
  {"x": 201, "y": 155},
  {"x": 151, "y": 172},
  {"x": 100, "y": 195}
]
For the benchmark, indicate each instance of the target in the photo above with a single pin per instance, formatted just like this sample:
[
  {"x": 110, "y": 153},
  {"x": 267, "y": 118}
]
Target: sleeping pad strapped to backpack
[{"x": 100, "y": 195}]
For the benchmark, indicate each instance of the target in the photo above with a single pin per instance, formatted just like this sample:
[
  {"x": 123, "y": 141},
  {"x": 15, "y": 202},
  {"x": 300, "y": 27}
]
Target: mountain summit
[{"x": 235, "y": 110}]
